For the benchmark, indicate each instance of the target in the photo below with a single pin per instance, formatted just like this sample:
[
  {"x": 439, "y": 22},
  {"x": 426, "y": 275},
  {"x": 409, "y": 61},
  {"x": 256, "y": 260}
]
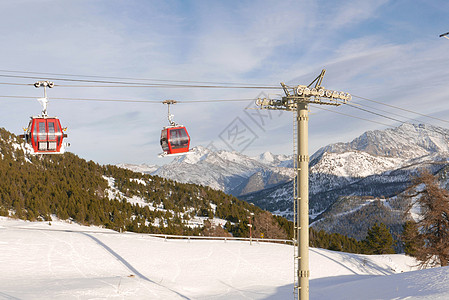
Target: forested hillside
[{"x": 70, "y": 188}]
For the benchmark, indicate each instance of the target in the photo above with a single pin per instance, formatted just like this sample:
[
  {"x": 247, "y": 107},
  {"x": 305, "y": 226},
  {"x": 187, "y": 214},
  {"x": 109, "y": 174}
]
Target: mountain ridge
[
  {"x": 375, "y": 164},
  {"x": 230, "y": 172},
  {"x": 406, "y": 141}
]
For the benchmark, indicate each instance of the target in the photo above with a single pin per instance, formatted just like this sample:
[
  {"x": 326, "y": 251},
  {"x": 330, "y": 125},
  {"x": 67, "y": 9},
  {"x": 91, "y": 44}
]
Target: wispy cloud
[{"x": 387, "y": 50}]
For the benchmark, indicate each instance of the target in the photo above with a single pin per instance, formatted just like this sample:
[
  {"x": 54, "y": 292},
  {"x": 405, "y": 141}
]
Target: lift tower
[{"x": 297, "y": 99}]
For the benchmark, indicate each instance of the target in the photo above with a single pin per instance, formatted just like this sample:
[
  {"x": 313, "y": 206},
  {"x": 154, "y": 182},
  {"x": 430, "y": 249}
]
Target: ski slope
[{"x": 69, "y": 261}]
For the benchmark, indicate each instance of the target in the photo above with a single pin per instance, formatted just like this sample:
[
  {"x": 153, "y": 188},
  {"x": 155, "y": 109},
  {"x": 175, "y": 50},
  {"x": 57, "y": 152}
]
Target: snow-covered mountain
[
  {"x": 378, "y": 164},
  {"x": 407, "y": 141},
  {"x": 275, "y": 160},
  {"x": 231, "y": 172},
  {"x": 143, "y": 168}
]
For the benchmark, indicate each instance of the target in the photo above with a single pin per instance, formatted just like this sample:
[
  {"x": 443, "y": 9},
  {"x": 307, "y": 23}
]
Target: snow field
[{"x": 68, "y": 261}]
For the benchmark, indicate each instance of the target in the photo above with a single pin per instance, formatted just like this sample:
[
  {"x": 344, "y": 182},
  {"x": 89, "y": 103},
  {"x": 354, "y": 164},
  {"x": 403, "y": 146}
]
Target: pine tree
[
  {"x": 433, "y": 226},
  {"x": 379, "y": 240},
  {"x": 335, "y": 244},
  {"x": 411, "y": 239}
]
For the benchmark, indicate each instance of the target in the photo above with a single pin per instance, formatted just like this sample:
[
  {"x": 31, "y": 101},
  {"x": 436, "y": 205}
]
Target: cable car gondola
[
  {"x": 175, "y": 139},
  {"x": 44, "y": 134}
]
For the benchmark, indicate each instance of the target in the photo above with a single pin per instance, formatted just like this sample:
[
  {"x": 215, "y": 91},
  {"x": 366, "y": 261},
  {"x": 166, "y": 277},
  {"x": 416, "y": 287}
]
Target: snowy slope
[
  {"x": 68, "y": 261},
  {"x": 335, "y": 170}
]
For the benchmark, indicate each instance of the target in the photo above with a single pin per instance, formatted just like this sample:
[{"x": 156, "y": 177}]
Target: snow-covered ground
[{"x": 68, "y": 261}]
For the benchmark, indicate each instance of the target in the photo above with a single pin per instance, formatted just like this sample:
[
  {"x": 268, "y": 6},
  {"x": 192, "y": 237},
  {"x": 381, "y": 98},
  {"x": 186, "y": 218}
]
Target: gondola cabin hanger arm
[{"x": 175, "y": 139}]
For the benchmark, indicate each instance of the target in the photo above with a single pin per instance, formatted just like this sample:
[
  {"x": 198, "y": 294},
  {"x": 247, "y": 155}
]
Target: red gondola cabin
[
  {"x": 45, "y": 135},
  {"x": 175, "y": 139}
]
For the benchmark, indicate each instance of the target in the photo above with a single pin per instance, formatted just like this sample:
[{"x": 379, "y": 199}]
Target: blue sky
[{"x": 388, "y": 51}]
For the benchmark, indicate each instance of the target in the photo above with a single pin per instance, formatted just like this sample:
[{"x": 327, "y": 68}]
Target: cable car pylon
[
  {"x": 175, "y": 139},
  {"x": 44, "y": 134},
  {"x": 297, "y": 99}
]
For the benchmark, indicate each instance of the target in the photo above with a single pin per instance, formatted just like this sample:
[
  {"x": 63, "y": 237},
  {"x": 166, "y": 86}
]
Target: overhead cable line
[
  {"x": 135, "y": 84},
  {"x": 381, "y": 110},
  {"x": 351, "y": 116},
  {"x": 213, "y": 101},
  {"x": 11, "y": 83},
  {"x": 368, "y": 111},
  {"x": 133, "y": 78},
  {"x": 168, "y": 85},
  {"x": 374, "y": 113},
  {"x": 434, "y": 128},
  {"x": 400, "y": 108},
  {"x": 140, "y": 84},
  {"x": 132, "y": 100},
  {"x": 172, "y": 85}
]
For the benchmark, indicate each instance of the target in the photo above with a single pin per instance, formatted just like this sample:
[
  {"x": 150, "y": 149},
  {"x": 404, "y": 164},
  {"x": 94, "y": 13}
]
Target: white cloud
[
  {"x": 246, "y": 41},
  {"x": 350, "y": 13}
]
